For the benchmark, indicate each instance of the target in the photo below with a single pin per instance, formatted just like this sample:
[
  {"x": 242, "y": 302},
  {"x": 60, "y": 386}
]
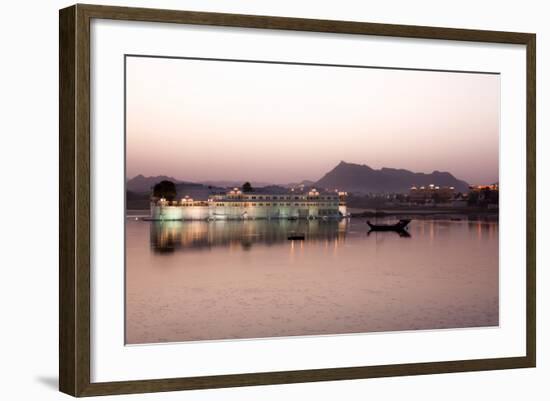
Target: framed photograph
[{"x": 250, "y": 200}]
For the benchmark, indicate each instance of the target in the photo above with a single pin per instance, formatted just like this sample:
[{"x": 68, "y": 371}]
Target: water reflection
[
  {"x": 169, "y": 236},
  {"x": 402, "y": 233},
  {"x": 166, "y": 237},
  {"x": 188, "y": 281}
]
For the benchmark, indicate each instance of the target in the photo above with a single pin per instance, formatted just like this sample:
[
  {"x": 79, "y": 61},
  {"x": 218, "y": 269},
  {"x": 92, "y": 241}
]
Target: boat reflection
[{"x": 402, "y": 233}]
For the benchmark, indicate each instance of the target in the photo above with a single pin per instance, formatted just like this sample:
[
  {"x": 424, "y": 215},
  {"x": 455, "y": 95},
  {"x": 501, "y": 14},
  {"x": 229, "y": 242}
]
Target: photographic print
[{"x": 273, "y": 199}]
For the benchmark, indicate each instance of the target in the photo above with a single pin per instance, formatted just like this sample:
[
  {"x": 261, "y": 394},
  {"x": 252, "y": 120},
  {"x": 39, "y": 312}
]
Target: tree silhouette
[
  {"x": 473, "y": 198},
  {"x": 247, "y": 187},
  {"x": 165, "y": 189}
]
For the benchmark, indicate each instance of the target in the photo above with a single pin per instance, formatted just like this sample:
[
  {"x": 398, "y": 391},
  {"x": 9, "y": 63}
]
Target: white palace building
[{"x": 238, "y": 205}]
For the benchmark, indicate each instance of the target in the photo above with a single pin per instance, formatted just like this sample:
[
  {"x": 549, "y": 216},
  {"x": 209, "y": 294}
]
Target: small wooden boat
[
  {"x": 399, "y": 226},
  {"x": 299, "y": 237}
]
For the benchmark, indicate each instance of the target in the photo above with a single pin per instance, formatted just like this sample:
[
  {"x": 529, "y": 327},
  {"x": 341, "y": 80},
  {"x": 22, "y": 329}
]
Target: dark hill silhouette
[
  {"x": 141, "y": 183},
  {"x": 138, "y": 190},
  {"x": 364, "y": 179}
]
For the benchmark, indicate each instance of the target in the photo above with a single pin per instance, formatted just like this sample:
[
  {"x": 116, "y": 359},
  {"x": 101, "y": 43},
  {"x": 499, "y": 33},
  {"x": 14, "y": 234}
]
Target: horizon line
[{"x": 339, "y": 163}]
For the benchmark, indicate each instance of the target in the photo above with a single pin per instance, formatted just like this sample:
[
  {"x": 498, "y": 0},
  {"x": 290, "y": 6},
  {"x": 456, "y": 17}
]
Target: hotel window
[{"x": 253, "y": 197}]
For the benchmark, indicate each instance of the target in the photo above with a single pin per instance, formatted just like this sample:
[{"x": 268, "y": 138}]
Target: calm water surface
[{"x": 189, "y": 281}]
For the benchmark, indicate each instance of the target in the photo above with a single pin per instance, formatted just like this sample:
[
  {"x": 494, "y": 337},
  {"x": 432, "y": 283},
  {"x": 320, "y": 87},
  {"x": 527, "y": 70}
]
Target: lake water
[{"x": 188, "y": 281}]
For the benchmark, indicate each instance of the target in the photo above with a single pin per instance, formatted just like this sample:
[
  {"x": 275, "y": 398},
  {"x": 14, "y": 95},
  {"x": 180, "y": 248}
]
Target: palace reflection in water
[
  {"x": 210, "y": 280},
  {"x": 194, "y": 235}
]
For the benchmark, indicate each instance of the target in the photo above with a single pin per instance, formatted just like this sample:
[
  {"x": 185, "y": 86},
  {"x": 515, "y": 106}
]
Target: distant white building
[{"x": 238, "y": 205}]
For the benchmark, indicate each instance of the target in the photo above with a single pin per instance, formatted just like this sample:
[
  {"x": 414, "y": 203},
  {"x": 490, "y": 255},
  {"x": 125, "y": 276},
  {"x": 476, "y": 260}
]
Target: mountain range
[
  {"x": 140, "y": 183},
  {"x": 350, "y": 177},
  {"x": 358, "y": 178}
]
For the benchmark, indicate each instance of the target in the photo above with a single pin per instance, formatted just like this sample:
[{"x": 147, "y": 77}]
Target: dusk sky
[{"x": 201, "y": 120}]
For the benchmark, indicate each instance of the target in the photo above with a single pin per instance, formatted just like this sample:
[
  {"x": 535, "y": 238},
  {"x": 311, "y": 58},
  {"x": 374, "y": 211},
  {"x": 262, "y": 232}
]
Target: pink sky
[{"x": 201, "y": 120}]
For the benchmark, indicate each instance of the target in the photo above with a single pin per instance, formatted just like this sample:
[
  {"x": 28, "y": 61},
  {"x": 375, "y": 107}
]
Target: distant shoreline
[
  {"x": 436, "y": 213},
  {"x": 424, "y": 212}
]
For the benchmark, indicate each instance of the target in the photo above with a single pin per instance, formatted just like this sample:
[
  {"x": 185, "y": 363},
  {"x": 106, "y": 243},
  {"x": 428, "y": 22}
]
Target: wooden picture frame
[{"x": 74, "y": 204}]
